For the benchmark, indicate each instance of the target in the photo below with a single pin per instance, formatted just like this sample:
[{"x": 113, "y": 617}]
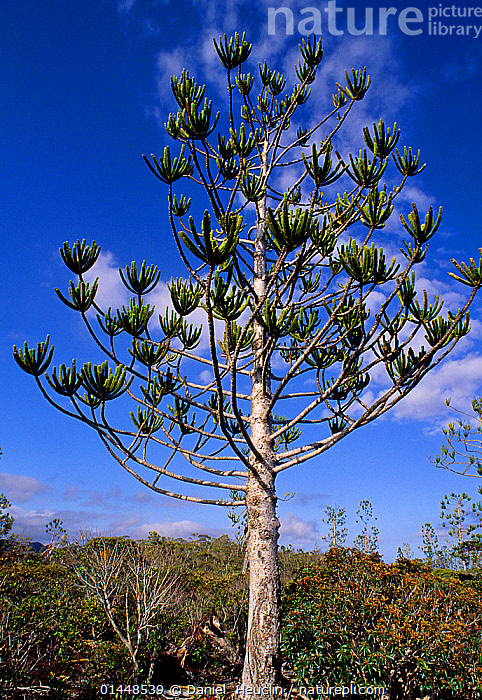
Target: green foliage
[
  {"x": 6, "y": 520},
  {"x": 185, "y": 296},
  {"x": 347, "y": 616},
  {"x": 234, "y": 52},
  {"x": 408, "y": 163},
  {"x": 47, "y": 629},
  {"x": 367, "y": 540},
  {"x": 383, "y": 141},
  {"x": 81, "y": 257},
  {"x": 54, "y": 632},
  {"x": 401, "y": 626},
  {"x": 142, "y": 281},
  {"x": 82, "y": 295},
  {"x": 167, "y": 171},
  {"x": 430, "y": 546},
  {"x": 421, "y": 232},
  {"x": 335, "y": 518},
  {"x": 134, "y": 582},
  {"x": 357, "y": 84},
  {"x": 462, "y": 520},
  {"x": 34, "y": 362},
  {"x": 470, "y": 275},
  {"x": 405, "y": 552},
  {"x": 102, "y": 383},
  {"x": 212, "y": 578}
]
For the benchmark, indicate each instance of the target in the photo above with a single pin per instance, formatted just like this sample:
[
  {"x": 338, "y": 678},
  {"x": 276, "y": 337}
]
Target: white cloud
[
  {"x": 149, "y": 27},
  {"x": 458, "y": 379},
  {"x": 111, "y": 291},
  {"x": 181, "y": 528},
  {"x": 31, "y": 523},
  {"x": 453, "y": 299},
  {"x": 206, "y": 376},
  {"x": 72, "y": 493},
  {"x": 225, "y": 15},
  {"x": 299, "y": 532},
  {"x": 412, "y": 193},
  {"x": 386, "y": 97},
  {"x": 170, "y": 63},
  {"x": 461, "y": 67},
  {"x": 19, "y": 488}
]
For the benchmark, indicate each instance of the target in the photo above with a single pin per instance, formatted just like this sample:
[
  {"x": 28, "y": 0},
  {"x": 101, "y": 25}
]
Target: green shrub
[
  {"x": 353, "y": 618},
  {"x": 51, "y": 634}
]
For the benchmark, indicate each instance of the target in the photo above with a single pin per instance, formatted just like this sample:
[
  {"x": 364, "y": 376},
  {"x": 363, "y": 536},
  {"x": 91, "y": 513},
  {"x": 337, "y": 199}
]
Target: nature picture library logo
[{"x": 436, "y": 20}]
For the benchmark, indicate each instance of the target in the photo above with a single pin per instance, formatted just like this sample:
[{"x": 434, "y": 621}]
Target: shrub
[
  {"x": 52, "y": 635},
  {"x": 44, "y": 625},
  {"x": 404, "y": 626}
]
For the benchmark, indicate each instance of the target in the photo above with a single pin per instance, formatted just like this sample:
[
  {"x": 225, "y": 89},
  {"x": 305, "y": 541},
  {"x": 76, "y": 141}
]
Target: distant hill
[{"x": 37, "y": 546}]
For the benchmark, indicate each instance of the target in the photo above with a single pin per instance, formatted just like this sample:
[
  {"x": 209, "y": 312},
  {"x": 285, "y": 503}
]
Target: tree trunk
[{"x": 262, "y": 663}]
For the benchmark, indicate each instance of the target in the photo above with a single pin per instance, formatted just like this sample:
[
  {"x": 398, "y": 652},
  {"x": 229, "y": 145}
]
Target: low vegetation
[
  {"x": 414, "y": 630},
  {"x": 110, "y": 612}
]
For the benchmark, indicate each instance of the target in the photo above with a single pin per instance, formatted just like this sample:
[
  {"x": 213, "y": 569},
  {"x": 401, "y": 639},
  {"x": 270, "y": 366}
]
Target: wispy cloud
[
  {"x": 462, "y": 67},
  {"x": 31, "y": 522},
  {"x": 19, "y": 488},
  {"x": 124, "y": 6},
  {"x": 72, "y": 493},
  {"x": 307, "y": 499},
  {"x": 142, "y": 497}
]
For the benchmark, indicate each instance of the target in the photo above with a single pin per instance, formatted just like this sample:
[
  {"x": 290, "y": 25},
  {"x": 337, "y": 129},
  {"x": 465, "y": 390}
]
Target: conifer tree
[
  {"x": 6, "y": 520},
  {"x": 285, "y": 267},
  {"x": 405, "y": 552},
  {"x": 367, "y": 540},
  {"x": 462, "y": 452},
  {"x": 335, "y": 518},
  {"x": 430, "y": 546},
  {"x": 463, "y": 519}
]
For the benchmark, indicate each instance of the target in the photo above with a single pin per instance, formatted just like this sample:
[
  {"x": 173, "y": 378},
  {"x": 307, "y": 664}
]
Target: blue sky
[{"x": 85, "y": 91}]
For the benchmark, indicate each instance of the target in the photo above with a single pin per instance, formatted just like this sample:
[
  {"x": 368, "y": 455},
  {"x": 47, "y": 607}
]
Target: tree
[
  {"x": 454, "y": 512},
  {"x": 335, "y": 518},
  {"x": 58, "y": 534},
  {"x": 405, "y": 552},
  {"x": 6, "y": 520},
  {"x": 367, "y": 540},
  {"x": 462, "y": 453},
  {"x": 287, "y": 299},
  {"x": 133, "y": 581},
  {"x": 430, "y": 543}
]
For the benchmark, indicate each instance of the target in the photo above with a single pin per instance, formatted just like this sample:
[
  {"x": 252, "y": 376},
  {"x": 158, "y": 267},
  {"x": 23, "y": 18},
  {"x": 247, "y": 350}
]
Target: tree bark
[{"x": 262, "y": 664}]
